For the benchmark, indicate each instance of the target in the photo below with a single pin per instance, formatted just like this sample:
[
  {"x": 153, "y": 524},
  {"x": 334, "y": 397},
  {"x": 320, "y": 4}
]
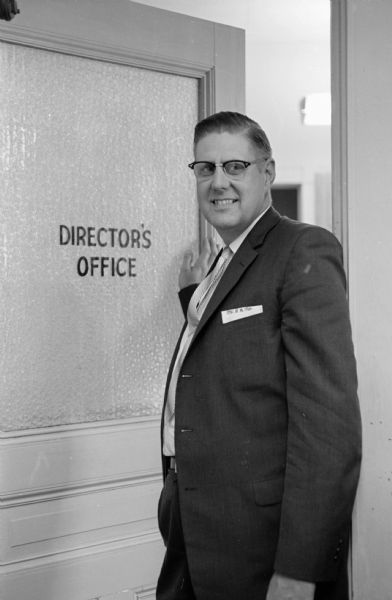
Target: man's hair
[{"x": 234, "y": 122}]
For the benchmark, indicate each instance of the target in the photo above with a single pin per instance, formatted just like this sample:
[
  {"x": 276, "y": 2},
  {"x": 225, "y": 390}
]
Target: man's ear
[{"x": 270, "y": 171}]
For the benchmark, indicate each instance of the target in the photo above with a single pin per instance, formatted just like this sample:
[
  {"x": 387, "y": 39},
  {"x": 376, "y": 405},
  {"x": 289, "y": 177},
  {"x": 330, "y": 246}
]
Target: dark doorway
[{"x": 285, "y": 200}]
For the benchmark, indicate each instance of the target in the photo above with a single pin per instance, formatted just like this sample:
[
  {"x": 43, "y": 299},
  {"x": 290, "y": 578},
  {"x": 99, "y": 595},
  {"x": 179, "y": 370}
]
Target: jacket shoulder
[{"x": 290, "y": 232}]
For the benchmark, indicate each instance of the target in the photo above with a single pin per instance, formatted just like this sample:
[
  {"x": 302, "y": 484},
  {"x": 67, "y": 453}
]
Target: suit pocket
[
  {"x": 246, "y": 322},
  {"x": 268, "y": 492}
]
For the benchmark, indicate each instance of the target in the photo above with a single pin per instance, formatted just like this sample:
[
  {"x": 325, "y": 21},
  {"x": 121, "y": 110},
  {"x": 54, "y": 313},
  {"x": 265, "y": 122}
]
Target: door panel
[{"x": 99, "y": 102}]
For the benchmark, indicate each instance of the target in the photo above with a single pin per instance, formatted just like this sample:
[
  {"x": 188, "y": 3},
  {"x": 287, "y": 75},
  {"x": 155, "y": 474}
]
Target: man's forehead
[{"x": 224, "y": 141}]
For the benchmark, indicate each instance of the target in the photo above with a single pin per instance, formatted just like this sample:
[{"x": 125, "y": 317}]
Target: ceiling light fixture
[{"x": 316, "y": 109}]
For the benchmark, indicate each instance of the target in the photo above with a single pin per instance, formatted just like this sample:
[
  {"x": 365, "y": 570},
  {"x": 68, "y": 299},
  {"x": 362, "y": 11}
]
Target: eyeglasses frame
[{"x": 246, "y": 164}]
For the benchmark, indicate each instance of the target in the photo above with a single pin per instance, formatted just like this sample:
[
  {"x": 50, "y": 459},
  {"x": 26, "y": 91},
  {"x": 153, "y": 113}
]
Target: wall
[
  {"x": 369, "y": 83},
  {"x": 287, "y": 57}
]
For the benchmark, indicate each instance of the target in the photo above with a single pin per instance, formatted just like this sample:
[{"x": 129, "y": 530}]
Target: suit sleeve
[{"x": 324, "y": 431}]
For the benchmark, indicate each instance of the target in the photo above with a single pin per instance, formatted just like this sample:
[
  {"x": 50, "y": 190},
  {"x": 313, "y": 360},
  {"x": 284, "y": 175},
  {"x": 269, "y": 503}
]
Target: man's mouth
[{"x": 223, "y": 201}]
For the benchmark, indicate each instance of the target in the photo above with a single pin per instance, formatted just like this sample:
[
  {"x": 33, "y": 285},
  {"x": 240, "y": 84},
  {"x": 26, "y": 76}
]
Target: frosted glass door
[{"x": 97, "y": 207}]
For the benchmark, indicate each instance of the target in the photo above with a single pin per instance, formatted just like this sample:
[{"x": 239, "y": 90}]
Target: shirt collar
[{"x": 235, "y": 244}]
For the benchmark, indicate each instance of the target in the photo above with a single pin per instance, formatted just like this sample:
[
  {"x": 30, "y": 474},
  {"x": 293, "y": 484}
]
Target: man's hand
[
  {"x": 193, "y": 271},
  {"x": 285, "y": 588}
]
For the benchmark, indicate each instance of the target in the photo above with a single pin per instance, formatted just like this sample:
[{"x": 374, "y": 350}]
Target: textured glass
[{"x": 97, "y": 207}]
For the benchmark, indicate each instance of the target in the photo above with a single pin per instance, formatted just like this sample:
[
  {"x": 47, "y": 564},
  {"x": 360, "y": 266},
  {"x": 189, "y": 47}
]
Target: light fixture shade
[{"x": 316, "y": 109}]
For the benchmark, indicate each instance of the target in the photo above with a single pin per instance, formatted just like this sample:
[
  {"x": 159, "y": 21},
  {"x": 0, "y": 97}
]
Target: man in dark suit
[{"x": 261, "y": 425}]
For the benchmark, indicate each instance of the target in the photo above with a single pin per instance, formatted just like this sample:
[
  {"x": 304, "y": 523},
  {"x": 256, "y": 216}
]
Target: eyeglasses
[{"x": 234, "y": 169}]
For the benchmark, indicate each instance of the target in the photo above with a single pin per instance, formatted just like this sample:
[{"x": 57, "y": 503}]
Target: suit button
[{"x": 336, "y": 557}]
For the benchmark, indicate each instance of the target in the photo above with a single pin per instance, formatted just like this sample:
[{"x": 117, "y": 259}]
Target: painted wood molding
[
  {"x": 339, "y": 135},
  {"x": 52, "y": 463}
]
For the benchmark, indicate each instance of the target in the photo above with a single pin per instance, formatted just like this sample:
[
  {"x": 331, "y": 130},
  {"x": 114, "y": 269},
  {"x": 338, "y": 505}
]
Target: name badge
[{"x": 233, "y": 314}]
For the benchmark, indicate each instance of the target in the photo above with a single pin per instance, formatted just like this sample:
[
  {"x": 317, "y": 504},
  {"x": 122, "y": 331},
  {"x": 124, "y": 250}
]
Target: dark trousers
[{"x": 174, "y": 581}]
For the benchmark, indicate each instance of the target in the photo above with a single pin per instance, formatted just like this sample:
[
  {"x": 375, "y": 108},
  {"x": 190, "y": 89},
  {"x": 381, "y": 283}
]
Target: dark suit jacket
[{"x": 267, "y": 420}]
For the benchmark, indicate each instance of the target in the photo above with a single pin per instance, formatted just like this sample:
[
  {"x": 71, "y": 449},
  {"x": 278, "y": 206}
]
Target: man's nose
[{"x": 219, "y": 178}]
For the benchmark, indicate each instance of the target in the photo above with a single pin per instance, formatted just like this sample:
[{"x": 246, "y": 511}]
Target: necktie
[{"x": 205, "y": 289}]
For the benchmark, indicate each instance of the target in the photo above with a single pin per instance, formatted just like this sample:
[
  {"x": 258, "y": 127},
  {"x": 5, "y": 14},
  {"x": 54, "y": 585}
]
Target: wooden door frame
[
  {"x": 339, "y": 133},
  {"x": 340, "y": 158}
]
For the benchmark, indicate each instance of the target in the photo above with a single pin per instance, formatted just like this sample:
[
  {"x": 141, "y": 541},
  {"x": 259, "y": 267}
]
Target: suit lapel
[
  {"x": 240, "y": 262},
  {"x": 233, "y": 273}
]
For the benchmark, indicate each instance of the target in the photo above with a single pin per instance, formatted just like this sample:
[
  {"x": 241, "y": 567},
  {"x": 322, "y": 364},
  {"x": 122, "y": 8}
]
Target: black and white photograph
[{"x": 195, "y": 300}]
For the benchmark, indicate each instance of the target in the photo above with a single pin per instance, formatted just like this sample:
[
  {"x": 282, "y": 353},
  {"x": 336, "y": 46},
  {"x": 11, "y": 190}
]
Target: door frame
[{"x": 339, "y": 133}]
